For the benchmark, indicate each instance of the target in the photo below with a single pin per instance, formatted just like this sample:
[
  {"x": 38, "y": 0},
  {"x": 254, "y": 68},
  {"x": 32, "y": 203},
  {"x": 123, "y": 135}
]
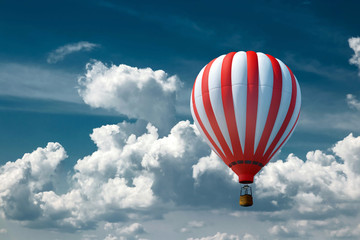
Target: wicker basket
[{"x": 246, "y": 200}]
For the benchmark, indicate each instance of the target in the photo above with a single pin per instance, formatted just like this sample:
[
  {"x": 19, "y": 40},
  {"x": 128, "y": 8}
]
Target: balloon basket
[{"x": 246, "y": 199}]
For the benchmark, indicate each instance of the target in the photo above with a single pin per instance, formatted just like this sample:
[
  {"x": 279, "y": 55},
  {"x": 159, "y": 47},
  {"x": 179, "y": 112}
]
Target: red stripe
[
  {"x": 218, "y": 151},
  {"x": 286, "y": 120},
  {"x": 211, "y": 116},
  {"x": 292, "y": 129},
  {"x": 251, "y": 103},
  {"x": 273, "y": 110},
  {"x": 228, "y": 104}
]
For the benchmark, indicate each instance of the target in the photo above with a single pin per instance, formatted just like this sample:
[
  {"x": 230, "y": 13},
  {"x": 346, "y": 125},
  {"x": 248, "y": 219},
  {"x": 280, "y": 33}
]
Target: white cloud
[
  {"x": 248, "y": 236},
  {"x": 282, "y": 231},
  {"x": 3, "y": 230},
  {"x": 218, "y": 236},
  {"x": 319, "y": 171},
  {"x": 133, "y": 229},
  {"x": 322, "y": 187},
  {"x": 354, "y": 44},
  {"x": 60, "y": 53},
  {"x": 22, "y": 179},
  {"x": 349, "y": 150},
  {"x": 126, "y": 177},
  {"x": 208, "y": 163},
  {"x": 122, "y": 231},
  {"x": 135, "y": 92},
  {"x": 226, "y": 236},
  {"x": 130, "y": 177},
  {"x": 346, "y": 232},
  {"x": 111, "y": 179},
  {"x": 352, "y": 101},
  {"x": 117, "y": 192},
  {"x": 212, "y": 163},
  {"x": 314, "y": 229},
  {"x": 110, "y": 237}
]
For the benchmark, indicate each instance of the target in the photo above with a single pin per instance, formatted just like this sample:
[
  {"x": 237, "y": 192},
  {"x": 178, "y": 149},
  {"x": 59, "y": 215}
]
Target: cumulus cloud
[
  {"x": 23, "y": 179},
  {"x": 140, "y": 93},
  {"x": 352, "y": 102},
  {"x": 354, "y": 44},
  {"x": 133, "y": 229},
  {"x": 122, "y": 231},
  {"x": 105, "y": 182},
  {"x": 212, "y": 164},
  {"x": 126, "y": 177},
  {"x": 324, "y": 186},
  {"x": 60, "y": 53},
  {"x": 320, "y": 175},
  {"x": 135, "y": 175}
]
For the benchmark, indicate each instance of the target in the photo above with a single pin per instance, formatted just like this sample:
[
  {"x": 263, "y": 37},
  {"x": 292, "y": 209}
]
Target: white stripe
[
  {"x": 288, "y": 137},
  {"x": 197, "y": 85},
  {"x": 239, "y": 91},
  {"x": 293, "y": 117},
  {"x": 266, "y": 76},
  {"x": 201, "y": 110},
  {"x": 284, "y": 103},
  {"x": 216, "y": 98}
]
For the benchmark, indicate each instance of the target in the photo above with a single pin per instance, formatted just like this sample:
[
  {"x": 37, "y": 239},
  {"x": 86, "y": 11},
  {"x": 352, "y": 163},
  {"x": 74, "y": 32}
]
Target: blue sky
[{"x": 144, "y": 173}]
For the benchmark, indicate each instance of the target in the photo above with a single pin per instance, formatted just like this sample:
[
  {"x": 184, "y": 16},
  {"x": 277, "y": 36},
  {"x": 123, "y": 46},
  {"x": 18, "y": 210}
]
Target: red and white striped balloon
[{"x": 246, "y": 105}]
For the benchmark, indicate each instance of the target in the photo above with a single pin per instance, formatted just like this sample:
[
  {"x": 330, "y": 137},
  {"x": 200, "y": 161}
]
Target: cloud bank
[
  {"x": 124, "y": 179},
  {"x": 130, "y": 178},
  {"x": 60, "y": 53}
]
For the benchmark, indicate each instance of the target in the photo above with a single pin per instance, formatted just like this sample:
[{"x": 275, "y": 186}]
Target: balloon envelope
[{"x": 246, "y": 105}]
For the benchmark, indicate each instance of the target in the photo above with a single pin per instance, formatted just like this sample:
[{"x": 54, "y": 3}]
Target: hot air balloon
[{"x": 246, "y": 106}]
